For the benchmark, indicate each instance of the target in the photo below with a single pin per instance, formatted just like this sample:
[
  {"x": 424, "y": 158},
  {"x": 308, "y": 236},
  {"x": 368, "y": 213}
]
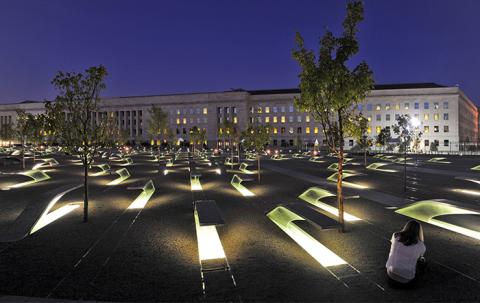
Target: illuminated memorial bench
[
  {"x": 211, "y": 254},
  {"x": 251, "y": 157},
  {"x": 243, "y": 168},
  {"x": 147, "y": 191},
  {"x": 334, "y": 166},
  {"x": 432, "y": 211},
  {"x": 229, "y": 161},
  {"x": 378, "y": 166},
  {"x": 286, "y": 218},
  {"x": 36, "y": 175},
  {"x": 313, "y": 195},
  {"x": 46, "y": 162},
  {"x": 475, "y": 167},
  {"x": 127, "y": 161},
  {"x": 237, "y": 184},
  {"x": 317, "y": 159},
  {"x": 279, "y": 157},
  {"x": 195, "y": 181},
  {"x": 346, "y": 174},
  {"x": 439, "y": 160},
  {"x": 123, "y": 175},
  {"x": 298, "y": 156},
  {"x": 104, "y": 169}
]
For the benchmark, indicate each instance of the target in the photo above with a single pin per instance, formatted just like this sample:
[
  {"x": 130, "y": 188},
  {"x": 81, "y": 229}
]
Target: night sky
[{"x": 160, "y": 47}]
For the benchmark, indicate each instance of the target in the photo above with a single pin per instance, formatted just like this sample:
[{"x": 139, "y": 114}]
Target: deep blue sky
[{"x": 157, "y": 47}]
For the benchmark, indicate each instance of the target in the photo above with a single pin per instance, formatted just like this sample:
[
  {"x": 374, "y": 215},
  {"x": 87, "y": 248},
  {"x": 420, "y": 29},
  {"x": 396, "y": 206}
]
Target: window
[
  {"x": 274, "y": 109},
  {"x": 446, "y": 143},
  {"x": 445, "y": 105},
  {"x": 178, "y": 131},
  {"x": 234, "y": 110},
  {"x": 445, "y": 128},
  {"x": 435, "y": 129},
  {"x": 191, "y": 111},
  {"x": 290, "y": 130},
  {"x": 397, "y": 106},
  {"x": 387, "y": 106},
  {"x": 198, "y": 120},
  {"x": 267, "y": 109},
  {"x": 360, "y": 107},
  {"x": 275, "y": 130},
  {"x": 435, "y": 105},
  {"x": 426, "y": 143},
  {"x": 397, "y": 116},
  {"x": 425, "y": 117},
  {"x": 235, "y": 120},
  {"x": 267, "y": 119},
  {"x": 282, "y": 109},
  {"x": 426, "y": 105},
  {"x": 282, "y": 130},
  {"x": 436, "y": 117},
  {"x": 290, "y": 119},
  {"x": 191, "y": 120},
  {"x": 445, "y": 116},
  {"x": 315, "y": 130},
  {"x": 406, "y": 105},
  {"x": 178, "y": 120},
  {"x": 178, "y": 112},
  {"x": 259, "y": 110},
  {"x": 290, "y": 108},
  {"x": 275, "y": 119},
  {"x": 378, "y": 129},
  {"x": 184, "y": 120},
  {"x": 426, "y": 129},
  {"x": 416, "y": 105},
  {"x": 283, "y": 119},
  {"x": 307, "y": 118},
  {"x": 387, "y": 117},
  {"x": 379, "y": 117},
  {"x": 369, "y": 107},
  {"x": 369, "y": 118},
  {"x": 369, "y": 130},
  {"x": 307, "y": 130},
  {"x": 184, "y": 131},
  {"x": 197, "y": 111},
  {"x": 205, "y": 111},
  {"x": 350, "y": 142},
  {"x": 378, "y": 107},
  {"x": 299, "y": 130},
  {"x": 299, "y": 118}
]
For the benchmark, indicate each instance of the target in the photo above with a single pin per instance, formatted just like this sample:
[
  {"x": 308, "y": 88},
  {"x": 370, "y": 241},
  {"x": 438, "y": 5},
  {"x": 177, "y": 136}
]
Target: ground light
[
  {"x": 50, "y": 162},
  {"x": 209, "y": 244},
  {"x": 285, "y": 220},
  {"x": 104, "y": 168},
  {"x": 439, "y": 160},
  {"x": 475, "y": 167},
  {"x": 244, "y": 169},
  {"x": 377, "y": 166},
  {"x": 147, "y": 191},
  {"x": 237, "y": 184},
  {"x": 467, "y": 191},
  {"x": 195, "y": 182},
  {"x": 313, "y": 195},
  {"x": 47, "y": 218},
  {"x": 123, "y": 175},
  {"x": 36, "y": 175},
  {"x": 427, "y": 210},
  {"x": 346, "y": 174}
]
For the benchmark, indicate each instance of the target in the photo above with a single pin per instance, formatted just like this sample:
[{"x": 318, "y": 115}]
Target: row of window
[
  {"x": 281, "y": 119},
  {"x": 184, "y": 120},
  {"x": 426, "y": 117},
  {"x": 5, "y": 120},
  {"x": 275, "y": 109},
  {"x": 426, "y": 129},
  {"x": 406, "y": 105},
  {"x": 191, "y": 111}
]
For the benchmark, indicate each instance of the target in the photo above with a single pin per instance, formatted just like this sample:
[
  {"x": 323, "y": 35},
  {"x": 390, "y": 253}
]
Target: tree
[
  {"x": 74, "y": 115},
  {"x": 194, "y": 136},
  {"x": 407, "y": 131},
  {"x": 329, "y": 89},
  {"x": 36, "y": 126},
  {"x": 22, "y": 130},
  {"x": 170, "y": 137},
  {"x": 256, "y": 137},
  {"x": 384, "y": 137},
  {"x": 7, "y": 132},
  {"x": 229, "y": 132},
  {"x": 157, "y": 126},
  {"x": 359, "y": 132}
]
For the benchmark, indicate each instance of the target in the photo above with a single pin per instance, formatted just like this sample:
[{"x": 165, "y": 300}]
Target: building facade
[{"x": 448, "y": 118}]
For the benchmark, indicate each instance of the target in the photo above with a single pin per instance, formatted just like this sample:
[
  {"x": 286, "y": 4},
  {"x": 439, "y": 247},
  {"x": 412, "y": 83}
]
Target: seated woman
[{"x": 406, "y": 253}]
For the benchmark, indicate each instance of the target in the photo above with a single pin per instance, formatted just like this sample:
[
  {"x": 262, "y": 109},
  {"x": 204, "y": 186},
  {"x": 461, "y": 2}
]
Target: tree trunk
[
  {"x": 85, "y": 190},
  {"x": 258, "y": 164},
  {"x": 340, "y": 175},
  {"x": 365, "y": 156},
  {"x": 158, "y": 159},
  {"x": 23, "y": 155},
  {"x": 231, "y": 151}
]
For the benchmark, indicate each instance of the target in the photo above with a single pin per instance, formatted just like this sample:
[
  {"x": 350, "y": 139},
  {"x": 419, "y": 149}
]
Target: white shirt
[{"x": 402, "y": 259}]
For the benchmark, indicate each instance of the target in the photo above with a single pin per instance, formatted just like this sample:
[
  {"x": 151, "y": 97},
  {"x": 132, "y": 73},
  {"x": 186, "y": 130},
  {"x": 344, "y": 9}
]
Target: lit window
[
  {"x": 205, "y": 111},
  {"x": 275, "y": 119},
  {"x": 406, "y": 105},
  {"x": 397, "y": 106},
  {"x": 445, "y": 129},
  {"x": 267, "y": 109},
  {"x": 235, "y": 120},
  {"x": 307, "y": 118},
  {"x": 369, "y": 130},
  {"x": 426, "y": 129},
  {"x": 275, "y": 130},
  {"x": 378, "y": 129},
  {"x": 178, "y": 120},
  {"x": 436, "y": 117},
  {"x": 445, "y": 116},
  {"x": 369, "y": 118},
  {"x": 387, "y": 106},
  {"x": 178, "y": 111},
  {"x": 267, "y": 119},
  {"x": 378, "y": 107},
  {"x": 184, "y": 120},
  {"x": 259, "y": 110},
  {"x": 307, "y": 130},
  {"x": 315, "y": 130},
  {"x": 425, "y": 117},
  {"x": 283, "y": 119}
]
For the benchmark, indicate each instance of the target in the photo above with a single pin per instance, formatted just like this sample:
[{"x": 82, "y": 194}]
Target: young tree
[
  {"x": 157, "y": 127},
  {"x": 384, "y": 137},
  {"x": 74, "y": 116},
  {"x": 170, "y": 137},
  {"x": 194, "y": 136},
  {"x": 22, "y": 130},
  {"x": 37, "y": 131},
  {"x": 230, "y": 133},
  {"x": 330, "y": 89},
  {"x": 407, "y": 131},
  {"x": 7, "y": 133},
  {"x": 256, "y": 137},
  {"x": 359, "y": 132}
]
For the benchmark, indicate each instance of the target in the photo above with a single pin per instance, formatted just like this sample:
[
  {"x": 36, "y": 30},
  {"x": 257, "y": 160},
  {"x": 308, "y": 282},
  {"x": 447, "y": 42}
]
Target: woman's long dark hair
[{"x": 409, "y": 234}]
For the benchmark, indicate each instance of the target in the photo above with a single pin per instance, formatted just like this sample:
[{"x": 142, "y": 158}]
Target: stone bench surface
[
  {"x": 208, "y": 213},
  {"x": 313, "y": 216}
]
